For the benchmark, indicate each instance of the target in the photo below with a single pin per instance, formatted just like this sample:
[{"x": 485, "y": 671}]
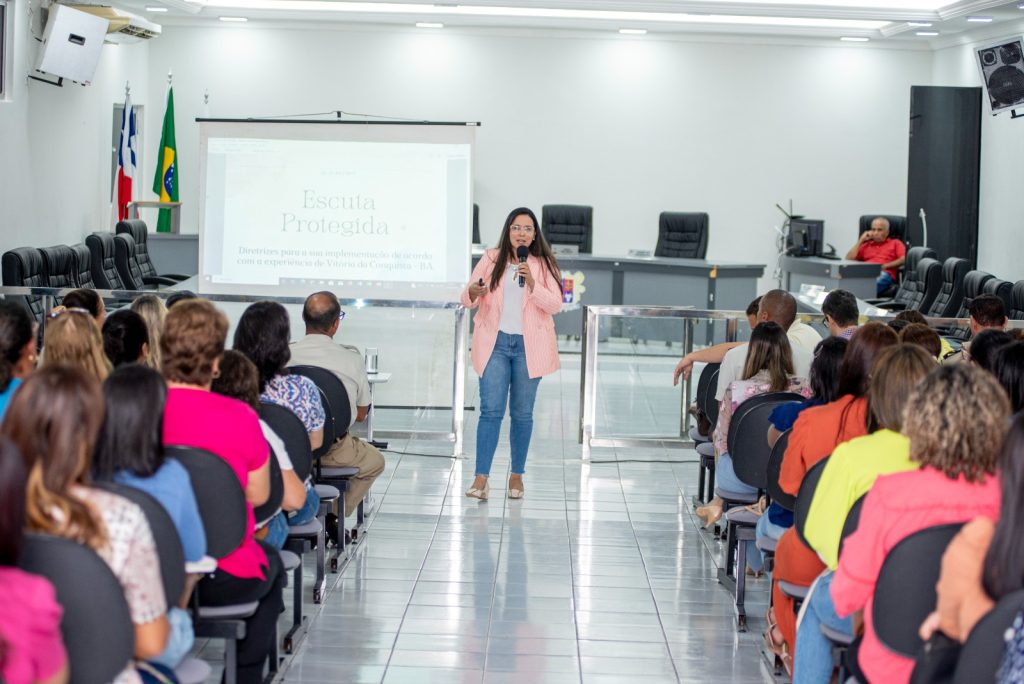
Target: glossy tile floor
[{"x": 599, "y": 575}]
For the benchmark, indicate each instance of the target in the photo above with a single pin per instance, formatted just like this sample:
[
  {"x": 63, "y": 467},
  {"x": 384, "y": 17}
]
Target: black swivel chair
[
  {"x": 801, "y": 510},
  {"x": 912, "y": 284},
  {"x": 569, "y": 224},
  {"x": 104, "y": 268},
  {"x": 983, "y": 651},
  {"x": 947, "y": 302},
  {"x": 707, "y": 385},
  {"x": 128, "y": 266},
  {"x": 94, "y": 655},
  {"x": 60, "y": 267},
  {"x": 23, "y": 267},
  {"x": 682, "y": 235},
  {"x": 83, "y": 266},
  {"x": 137, "y": 229},
  {"x": 1016, "y": 309},
  {"x": 1002, "y": 289},
  {"x": 974, "y": 285}
]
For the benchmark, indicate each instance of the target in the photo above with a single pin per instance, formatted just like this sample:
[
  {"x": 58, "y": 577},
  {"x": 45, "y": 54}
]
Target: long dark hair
[
  {"x": 1008, "y": 367},
  {"x": 1003, "y": 571},
  {"x": 15, "y": 333},
  {"x": 124, "y": 334},
  {"x": 538, "y": 248},
  {"x": 131, "y": 437},
  {"x": 769, "y": 351},
  {"x": 867, "y": 342},
  {"x": 262, "y": 335},
  {"x": 828, "y": 357},
  {"x": 12, "y": 503}
]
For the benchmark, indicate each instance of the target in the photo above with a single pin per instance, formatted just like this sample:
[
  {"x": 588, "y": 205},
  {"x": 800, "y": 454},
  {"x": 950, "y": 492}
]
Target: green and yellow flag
[{"x": 165, "y": 184}]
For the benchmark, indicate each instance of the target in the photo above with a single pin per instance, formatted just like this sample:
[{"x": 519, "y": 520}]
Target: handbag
[
  {"x": 704, "y": 425},
  {"x": 936, "y": 660}
]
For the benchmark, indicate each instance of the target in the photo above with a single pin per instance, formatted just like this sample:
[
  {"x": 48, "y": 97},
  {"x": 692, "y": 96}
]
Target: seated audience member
[
  {"x": 322, "y": 316},
  {"x": 924, "y": 337},
  {"x": 53, "y": 420},
  {"x": 88, "y": 300},
  {"x": 985, "y": 560},
  {"x": 987, "y": 312},
  {"x": 816, "y": 433},
  {"x": 905, "y": 318},
  {"x": 876, "y": 247},
  {"x": 955, "y": 431},
  {"x": 125, "y": 338},
  {"x": 31, "y": 646},
  {"x": 130, "y": 451},
  {"x": 769, "y": 368},
  {"x": 240, "y": 380},
  {"x": 841, "y": 313},
  {"x": 191, "y": 347},
  {"x": 777, "y": 306},
  {"x": 180, "y": 296},
  {"x": 153, "y": 312},
  {"x": 72, "y": 338},
  {"x": 1008, "y": 367},
  {"x": 848, "y": 475},
  {"x": 17, "y": 349},
  {"x": 752, "y": 310},
  {"x": 985, "y": 346}
]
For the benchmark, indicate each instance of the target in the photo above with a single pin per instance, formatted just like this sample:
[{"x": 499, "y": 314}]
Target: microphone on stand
[{"x": 522, "y": 251}]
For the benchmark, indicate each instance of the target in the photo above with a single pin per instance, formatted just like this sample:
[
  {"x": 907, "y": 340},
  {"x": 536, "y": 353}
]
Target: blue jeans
[
  {"x": 883, "y": 283},
  {"x": 725, "y": 477},
  {"x": 812, "y": 660},
  {"x": 277, "y": 531},
  {"x": 309, "y": 509},
  {"x": 765, "y": 529},
  {"x": 180, "y": 639},
  {"x": 505, "y": 379}
]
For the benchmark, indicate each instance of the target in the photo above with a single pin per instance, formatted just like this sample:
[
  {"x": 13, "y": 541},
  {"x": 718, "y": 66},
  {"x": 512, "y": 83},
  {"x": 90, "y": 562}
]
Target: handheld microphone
[{"x": 522, "y": 251}]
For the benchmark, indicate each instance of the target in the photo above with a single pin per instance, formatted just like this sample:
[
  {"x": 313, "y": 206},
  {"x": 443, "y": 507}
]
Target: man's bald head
[
  {"x": 321, "y": 312},
  {"x": 879, "y": 230},
  {"x": 778, "y": 306}
]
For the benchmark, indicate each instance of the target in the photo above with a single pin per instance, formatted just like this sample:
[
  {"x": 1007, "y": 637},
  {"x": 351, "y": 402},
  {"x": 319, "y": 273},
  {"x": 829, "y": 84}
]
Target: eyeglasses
[
  {"x": 63, "y": 310},
  {"x": 521, "y": 229},
  {"x": 341, "y": 316}
]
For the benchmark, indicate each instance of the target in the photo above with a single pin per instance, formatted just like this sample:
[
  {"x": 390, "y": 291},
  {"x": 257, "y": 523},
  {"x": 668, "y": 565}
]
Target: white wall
[
  {"x": 55, "y": 142},
  {"x": 633, "y": 127},
  {"x": 1001, "y": 202}
]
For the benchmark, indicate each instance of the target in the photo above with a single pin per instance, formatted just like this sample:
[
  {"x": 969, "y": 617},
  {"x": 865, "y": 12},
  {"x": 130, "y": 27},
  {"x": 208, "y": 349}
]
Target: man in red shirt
[{"x": 876, "y": 247}]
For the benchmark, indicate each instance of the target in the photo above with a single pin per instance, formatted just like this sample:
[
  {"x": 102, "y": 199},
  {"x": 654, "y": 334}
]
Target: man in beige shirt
[{"x": 322, "y": 316}]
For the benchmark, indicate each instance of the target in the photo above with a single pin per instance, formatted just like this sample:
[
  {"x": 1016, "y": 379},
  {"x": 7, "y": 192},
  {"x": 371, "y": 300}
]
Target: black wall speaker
[{"x": 1002, "y": 72}]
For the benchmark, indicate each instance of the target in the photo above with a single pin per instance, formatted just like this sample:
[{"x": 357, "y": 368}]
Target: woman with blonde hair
[
  {"x": 73, "y": 338},
  {"x": 153, "y": 312}
]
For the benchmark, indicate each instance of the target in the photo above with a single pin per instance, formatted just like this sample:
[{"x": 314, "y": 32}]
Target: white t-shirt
[
  {"x": 277, "y": 444},
  {"x": 803, "y": 336},
  {"x": 736, "y": 358},
  {"x": 512, "y": 304}
]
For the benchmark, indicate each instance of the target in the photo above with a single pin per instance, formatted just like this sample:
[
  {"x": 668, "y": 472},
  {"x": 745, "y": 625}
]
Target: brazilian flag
[{"x": 165, "y": 184}]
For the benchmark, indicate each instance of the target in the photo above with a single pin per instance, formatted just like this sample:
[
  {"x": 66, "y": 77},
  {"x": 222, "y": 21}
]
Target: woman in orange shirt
[{"x": 815, "y": 434}]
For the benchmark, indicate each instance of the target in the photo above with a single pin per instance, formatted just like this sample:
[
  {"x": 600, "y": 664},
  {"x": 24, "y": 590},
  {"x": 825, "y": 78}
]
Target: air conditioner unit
[{"x": 124, "y": 26}]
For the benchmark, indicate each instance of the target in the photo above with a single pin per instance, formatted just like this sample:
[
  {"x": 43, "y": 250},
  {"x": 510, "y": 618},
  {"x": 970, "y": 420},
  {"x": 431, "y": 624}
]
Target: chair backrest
[
  {"x": 929, "y": 282},
  {"x": 292, "y": 432},
  {"x": 569, "y": 224},
  {"x": 83, "y": 266},
  {"x": 89, "y": 594},
  {"x": 682, "y": 235},
  {"x": 137, "y": 229},
  {"x": 1016, "y": 310},
  {"x": 951, "y": 292},
  {"x": 269, "y": 508},
  {"x": 905, "y": 591},
  {"x": 982, "y": 653},
  {"x": 703, "y": 382},
  {"x": 23, "y": 267},
  {"x": 711, "y": 405},
  {"x": 333, "y": 390},
  {"x": 912, "y": 284},
  {"x": 775, "y": 492},
  {"x": 852, "y": 520},
  {"x": 165, "y": 534},
  {"x": 59, "y": 266},
  {"x": 220, "y": 497},
  {"x": 124, "y": 260},
  {"x": 974, "y": 285},
  {"x": 897, "y": 224},
  {"x": 748, "y": 436},
  {"x": 104, "y": 270},
  {"x": 476, "y": 224},
  {"x": 804, "y": 497},
  {"x": 1002, "y": 289}
]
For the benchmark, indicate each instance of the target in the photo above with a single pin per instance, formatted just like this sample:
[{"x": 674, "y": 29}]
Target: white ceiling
[{"x": 881, "y": 21}]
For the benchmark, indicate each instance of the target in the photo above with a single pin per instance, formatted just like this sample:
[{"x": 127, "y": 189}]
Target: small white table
[{"x": 375, "y": 379}]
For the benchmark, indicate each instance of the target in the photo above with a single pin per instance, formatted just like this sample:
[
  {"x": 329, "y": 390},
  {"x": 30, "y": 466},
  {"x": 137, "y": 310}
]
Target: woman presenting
[{"x": 518, "y": 288}]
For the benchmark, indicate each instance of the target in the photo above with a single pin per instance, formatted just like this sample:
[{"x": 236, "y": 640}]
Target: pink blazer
[{"x": 538, "y": 308}]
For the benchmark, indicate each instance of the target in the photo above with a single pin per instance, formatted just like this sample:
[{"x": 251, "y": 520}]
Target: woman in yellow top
[{"x": 848, "y": 475}]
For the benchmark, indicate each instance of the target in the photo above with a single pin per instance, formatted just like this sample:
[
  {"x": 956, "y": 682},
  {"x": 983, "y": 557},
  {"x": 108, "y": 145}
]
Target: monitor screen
[{"x": 806, "y": 237}]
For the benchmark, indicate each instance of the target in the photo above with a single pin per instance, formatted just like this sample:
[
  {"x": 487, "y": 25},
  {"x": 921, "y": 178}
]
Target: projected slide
[{"x": 364, "y": 218}]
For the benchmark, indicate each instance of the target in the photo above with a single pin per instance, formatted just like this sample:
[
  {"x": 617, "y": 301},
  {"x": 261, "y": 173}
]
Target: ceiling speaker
[
  {"x": 71, "y": 44},
  {"x": 1002, "y": 72}
]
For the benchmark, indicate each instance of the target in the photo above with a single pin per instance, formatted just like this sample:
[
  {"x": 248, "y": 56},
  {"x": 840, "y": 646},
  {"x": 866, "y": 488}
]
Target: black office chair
[
  {"x": 86, "y": 588},
  {"x": 83, "y": 266},
  {"x": 841, "y": 641},
  {"x": 128, "y": 266},
  {"x": 476, "y": 224},
  {"x": 801, "y": 510},
  {"x": 947, "y": 302},
  {"x": 104, "y": 268},
  {"x": 974, "y": 285},
  {"x": 912, "y": 286},
  {"x": 23, "y": 267},
  {"x": 707, "y": 385},
  {"x": 897, "y": 225},
  {"x": 137, "y": 229},
  {"x": 1016, "y": 309},
  {"x": 982, "y": 653},
  {"x": 682, "y": 235},
  {"x": 59, "y": 267},
  {"x": 569, "y": 224},
  {"x": 774, "y": 470}
]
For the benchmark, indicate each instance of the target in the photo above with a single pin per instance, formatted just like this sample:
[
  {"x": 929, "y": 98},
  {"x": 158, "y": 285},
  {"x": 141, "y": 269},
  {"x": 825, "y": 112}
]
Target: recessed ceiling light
[
  {"x": 238, "y": 19},
  {"x": 633, "y": 32},
  {"x": 854, "y": 39},
  {"x": 922, "y": 24},
  {"x": 428, "y": 24},
  {"x": 927, "y": 33},
  {"x": 979, "y": 20},
  {"x": 156, "y": 9}
]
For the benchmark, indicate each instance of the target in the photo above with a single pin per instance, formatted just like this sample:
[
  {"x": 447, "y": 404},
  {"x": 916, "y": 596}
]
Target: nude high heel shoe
[{"x": 482, "y": 493}]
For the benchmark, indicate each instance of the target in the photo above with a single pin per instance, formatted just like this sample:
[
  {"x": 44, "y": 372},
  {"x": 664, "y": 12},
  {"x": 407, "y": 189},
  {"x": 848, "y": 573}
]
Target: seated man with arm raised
[{"x": 876, "y": 247}]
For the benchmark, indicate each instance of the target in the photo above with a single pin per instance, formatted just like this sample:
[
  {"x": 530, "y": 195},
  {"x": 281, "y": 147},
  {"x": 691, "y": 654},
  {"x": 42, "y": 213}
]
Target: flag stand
[{"x": 174, "y": 207}]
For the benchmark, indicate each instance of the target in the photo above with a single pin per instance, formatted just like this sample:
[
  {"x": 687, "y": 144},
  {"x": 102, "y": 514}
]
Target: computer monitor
[{"x": 806, "y": 237}]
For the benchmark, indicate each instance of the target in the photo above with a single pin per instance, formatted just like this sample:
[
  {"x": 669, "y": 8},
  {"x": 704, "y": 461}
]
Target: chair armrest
[
  {"x": 891, "y": 306},
  {"x": 158, "y": 280},
  {"x": 175, "y": 276},
  {"x": 203, "y": 566}
]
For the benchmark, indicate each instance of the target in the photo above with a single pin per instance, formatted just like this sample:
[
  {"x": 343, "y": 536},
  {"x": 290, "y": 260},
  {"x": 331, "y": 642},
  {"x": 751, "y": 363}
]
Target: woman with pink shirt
[
  {"x": 956, "y": 419},
  {"x": 513, "y": 340}
]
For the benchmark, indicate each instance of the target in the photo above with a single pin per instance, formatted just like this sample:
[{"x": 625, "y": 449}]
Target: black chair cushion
[
  {"x": 83, "y": 266},
  {"x": 682, "y": 235},
  {"x": 124, "y": 260},
  {"x": 60, "y": 266},
  {"x": 747, "y": 441},
  {"x": 333, "y": 389},
  {"x": 568, "y": 224},
  {"x": 802, "y": 509},
  {"x": 912, "y": 288},
  {"x": 292, "y": 432},
  {"x": 1016, "y": 310},
  {"x": 1000, "y": 288},
  {"x": 219, "y": 494},
  {"x": 947, "y": 301},
  {"x": 23, "y": 267},
  {"x": 974, "y": 284},
  {"x": 104, "y": 269},
  {"x": 775, "y": 492},
  {"x": 137, "y": 229},
  {"x": 269, "y": 508}
]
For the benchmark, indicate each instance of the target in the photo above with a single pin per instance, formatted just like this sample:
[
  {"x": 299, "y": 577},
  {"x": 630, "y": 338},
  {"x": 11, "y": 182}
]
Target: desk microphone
[{"x": 522, "y": 251}]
